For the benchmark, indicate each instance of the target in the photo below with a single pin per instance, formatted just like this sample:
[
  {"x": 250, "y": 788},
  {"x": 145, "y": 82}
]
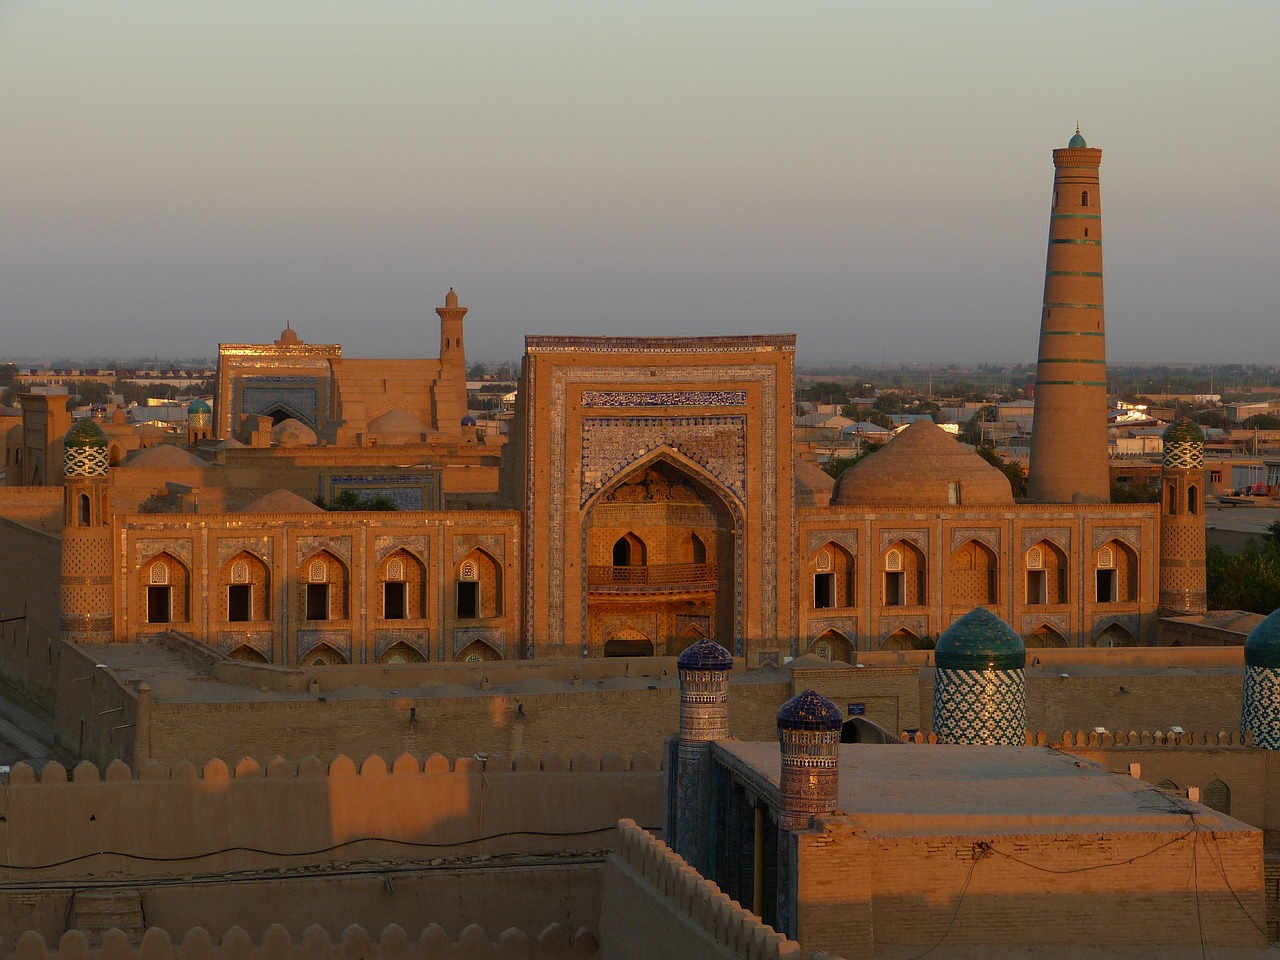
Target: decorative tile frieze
[
  {"x": 259, "y": 640},
  {"x": 339, "y": 640},
  {"x": 847, "y": 627},
  {"x": 420, "y": 547},
  {"x": 664, "y": 398},
  {"x": 1058, "y": 536},
  {"x": 984, "y": 535},
  {"x": 645, "y": 623},
  {"x": 145, "y": 549},
  {"x": 419, "y": 640},
  {"x": 495, "y": 637},
  {"x": 612, "y": 444},
  {"x": 846, "y": 538},
  {"x": 918, "y": 625},
  {"x": 1031, "y": 622},
  {"x": 917, "y": 538},
  {"x": 1130, "y": 535},
  {"x": 340, "y": 547},
  {"x": 494, "y": 544},
  {"x": 1129, "y": 621},
  {"x": 261, "y": 547}
]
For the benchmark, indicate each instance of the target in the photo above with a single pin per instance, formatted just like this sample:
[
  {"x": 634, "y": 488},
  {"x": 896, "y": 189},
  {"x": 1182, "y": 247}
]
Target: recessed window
[
  {"x": 393, "y": 601},
  {"x": 1084, "y": 198},
  {"x": 824, "y": 590},
  {"x": 317, "y": 601},
  {"x": 239, "y": 602},
  {"x": 953, "y": 492},
  {"x": 159, "y": 604},
  {"x": 468, "y": 599}
]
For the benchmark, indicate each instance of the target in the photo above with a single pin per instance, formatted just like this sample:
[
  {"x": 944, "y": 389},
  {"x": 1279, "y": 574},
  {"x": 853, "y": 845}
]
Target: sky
[{"x": 873, "y": 177}]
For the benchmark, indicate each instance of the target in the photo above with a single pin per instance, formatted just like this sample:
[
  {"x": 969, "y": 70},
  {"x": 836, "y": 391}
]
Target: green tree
[
  {"x": 838, "y": 465},
  {"x": 1250, "y": 580}
]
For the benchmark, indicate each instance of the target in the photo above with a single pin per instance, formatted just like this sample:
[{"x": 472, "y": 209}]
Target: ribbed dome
[
  {"x": 1262, "y": 646},
  {"x": 809, "y": 710},
  {"x": 85, "y": 432},
  {"x": 980, "y": 641},
  {"x": 198, "y": 405},
  {"x": 705, "y": 654},
  {"x": 916, "y": 468},
  {"x": 1184, "y": 430}
]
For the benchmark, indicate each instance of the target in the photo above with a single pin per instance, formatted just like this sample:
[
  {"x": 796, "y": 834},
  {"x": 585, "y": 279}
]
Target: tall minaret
[
  {"x": 1069, "y": 438},
  {"x": 1182, "y": 520},
  {"x": 85, "y": 612},
  {"x": 451, "y": 388}
]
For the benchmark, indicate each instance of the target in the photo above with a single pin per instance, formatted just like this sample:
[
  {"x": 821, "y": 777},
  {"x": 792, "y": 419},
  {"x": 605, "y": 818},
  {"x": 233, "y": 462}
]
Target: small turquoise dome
[
  {"x": 980, "y": 641},
  {"x": 85, "y": 432},
  {"x": 468, "y": 421},
  {"x": 1184, "y": 430},
  {"x": 198, "y": 406},
  {"x": 706, "y": 654},
  {"x": 1262, "y": 646},
  {"x": 809, "y": 710},
  {"x": 1077, "y": 141}
]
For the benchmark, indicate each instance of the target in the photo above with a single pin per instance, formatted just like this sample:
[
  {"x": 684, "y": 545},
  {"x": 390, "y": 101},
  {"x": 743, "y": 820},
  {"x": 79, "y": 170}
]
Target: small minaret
[
  {"x": 980, "y": 694},
  {"x": 1182, "y": 523},
  {"x": 451, "y": 388},
  {"x": 1069, "y": 437},
  {"x": 809, "y": 738},
  {"x": 199, "y": 422},
  {"x": 704, "y": 670},
  {"x": 1260, "y": 705},
  {"x": 86, "y": 598}
]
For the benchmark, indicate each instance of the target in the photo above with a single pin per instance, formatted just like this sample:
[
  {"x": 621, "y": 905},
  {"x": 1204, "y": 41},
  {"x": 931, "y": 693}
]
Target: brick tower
[
  {"x": 1069, "y": 440},
  {"x": 85, "y": 608},
  {"x": 451, "y": 388},
  {"x": 1182, "y": 523}
]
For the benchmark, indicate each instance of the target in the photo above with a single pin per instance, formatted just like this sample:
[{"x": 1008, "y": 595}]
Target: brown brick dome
[{"x": 916, "y": 468}]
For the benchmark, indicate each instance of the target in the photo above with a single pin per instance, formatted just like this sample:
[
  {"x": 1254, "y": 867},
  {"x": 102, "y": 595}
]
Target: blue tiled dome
[
  {"x": 85, "y": 433},
  {"x": 809, "y": 710},
  {"x": 1184, "y": 430},
  {"x": 468, "y": 421},
  {"x": 980, "y": 641},
  {"x": 706, "y": 654},
  {"x": 198, "y": 405},
  {"x": 1262, "y": 646},
  {"x": 1077, "y": 141}
]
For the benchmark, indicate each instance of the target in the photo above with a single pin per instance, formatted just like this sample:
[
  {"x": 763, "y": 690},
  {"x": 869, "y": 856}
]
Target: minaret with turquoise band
[
  {"x": 1069, "y": 438},
  {"x": 1260, "y": 706},
  {"x": 980, "y": 694}
]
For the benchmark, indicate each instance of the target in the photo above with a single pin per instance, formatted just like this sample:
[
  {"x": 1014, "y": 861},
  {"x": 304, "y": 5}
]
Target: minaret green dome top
[
  {"x": 1077, "y": 141},
  {"x": 198, "y": 405},
  {"x": 1184, "y": 430},
  {"x": 85, "y": 433},
  {"x": 1262, "y": 646},
  {"x": 980, "y": 641}
]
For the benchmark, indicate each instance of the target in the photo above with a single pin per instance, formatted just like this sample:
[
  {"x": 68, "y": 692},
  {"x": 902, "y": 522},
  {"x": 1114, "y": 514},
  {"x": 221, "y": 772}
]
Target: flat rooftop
[{"x": 944, "y": 790}]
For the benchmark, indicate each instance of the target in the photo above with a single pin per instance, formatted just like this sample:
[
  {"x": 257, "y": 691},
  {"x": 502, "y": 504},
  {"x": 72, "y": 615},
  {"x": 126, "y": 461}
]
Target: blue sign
[{"x": 857, "y": 709}]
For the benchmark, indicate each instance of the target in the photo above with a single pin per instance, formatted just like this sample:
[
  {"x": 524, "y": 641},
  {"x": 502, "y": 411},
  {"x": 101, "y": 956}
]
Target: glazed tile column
[
  {"x": 1260, "y": 705},
  {"x": 1069, "y": 438},
  {"x": 1183, "y": 582},
  {"x": 980, "y": 692}
]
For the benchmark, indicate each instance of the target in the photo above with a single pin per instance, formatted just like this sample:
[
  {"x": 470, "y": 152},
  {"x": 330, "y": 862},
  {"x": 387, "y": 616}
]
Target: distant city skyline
[{"x": 874, "y": 177}]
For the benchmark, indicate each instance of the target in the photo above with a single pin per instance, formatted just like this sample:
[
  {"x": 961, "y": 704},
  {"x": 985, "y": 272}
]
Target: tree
[
  {"x": 838, "y": 465},
  {"x": 350, "y": 500},
  {"x": 1017, "y": 476},
  {"x": 1262, "y": 421},
  {"x": 1250, "y": 580}
]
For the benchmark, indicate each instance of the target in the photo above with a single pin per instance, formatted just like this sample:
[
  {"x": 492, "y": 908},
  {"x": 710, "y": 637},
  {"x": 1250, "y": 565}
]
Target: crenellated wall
[
  {"x": 649, "y": 887},
  {"x": 393, "y": 943}
]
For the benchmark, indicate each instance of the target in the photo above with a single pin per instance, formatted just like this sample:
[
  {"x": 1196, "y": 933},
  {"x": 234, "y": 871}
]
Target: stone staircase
[{"x": 94, "y": 912}]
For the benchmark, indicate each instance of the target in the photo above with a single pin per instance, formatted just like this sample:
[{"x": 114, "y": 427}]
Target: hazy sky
[{"x": 874, "y": 177}]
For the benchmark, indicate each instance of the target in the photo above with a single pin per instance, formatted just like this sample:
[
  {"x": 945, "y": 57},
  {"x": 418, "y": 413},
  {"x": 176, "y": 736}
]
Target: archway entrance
[{"x": 660, "y": 556}]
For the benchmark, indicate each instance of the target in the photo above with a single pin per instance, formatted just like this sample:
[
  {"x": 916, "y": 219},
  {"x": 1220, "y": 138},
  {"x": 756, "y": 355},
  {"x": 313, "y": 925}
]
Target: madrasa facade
[{"x": 647, "y": 495}]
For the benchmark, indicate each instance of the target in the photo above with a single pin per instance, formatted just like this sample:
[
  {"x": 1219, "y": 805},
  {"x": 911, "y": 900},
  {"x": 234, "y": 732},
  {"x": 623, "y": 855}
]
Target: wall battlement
[
  {"x": 738, "y": 932},
  {"x": 1117, "y": 738},
  {"x": 474, "y": 942}
]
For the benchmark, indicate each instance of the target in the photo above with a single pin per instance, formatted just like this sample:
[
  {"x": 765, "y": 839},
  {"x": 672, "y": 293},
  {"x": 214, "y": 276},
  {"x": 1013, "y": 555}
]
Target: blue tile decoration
[
  {"x": 406, "y": 491},
  {"x": 705, "y": 654},
  {"x": 1260, "y": 706},
  {"x": 298, "y": 396},
  {"x": 809, "y": 710},
  {"x": 664, "y": 398},
  {"x": 980, "y": 693}
]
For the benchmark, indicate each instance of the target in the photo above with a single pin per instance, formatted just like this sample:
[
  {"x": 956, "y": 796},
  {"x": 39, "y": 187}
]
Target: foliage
[
  {"x": 1250, "y": 580},
  {"x": 838, "y": 465},
  {"x": 350, "y": 500},
  {"x": 1262, "y": 421},
  {"x": 1134, "y": 493},
  {"x": 1017, "y": 476}
]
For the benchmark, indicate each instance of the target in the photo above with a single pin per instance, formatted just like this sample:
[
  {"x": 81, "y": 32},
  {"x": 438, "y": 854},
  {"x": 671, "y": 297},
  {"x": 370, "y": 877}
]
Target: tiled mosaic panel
[
  {"x": 1260, "y": 709},
  {"x": 85, "y": 462},
  {"x": 299, "y": 395},
  {"x": 664, "y": 398},
  {"x": 1184, "y": 455},
  {"x": 980, "y": 706}
]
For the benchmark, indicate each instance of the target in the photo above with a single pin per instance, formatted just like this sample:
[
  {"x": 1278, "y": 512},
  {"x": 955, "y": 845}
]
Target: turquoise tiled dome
[
  {"x": 1077, "y": 141},
  {"x": 85, "y": 433},
  {"x": 980, "y": 641},
  {"x": 1262, "y": 646},
  {"x": 198, "y": 405},
  {"x": 1184, "y": 430},
  {"x": 706, "y": 654},
  {"x": 809, "y": 710}
]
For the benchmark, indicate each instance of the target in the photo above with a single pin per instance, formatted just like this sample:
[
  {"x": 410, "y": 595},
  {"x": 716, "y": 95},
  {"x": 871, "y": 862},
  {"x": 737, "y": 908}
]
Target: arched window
[
  {"x": 1107, "y": 558},
  {"x": 467, "y": 571},
  {"x": 1084, "y": 198},
  {"x": 893, "y": 561},
  {"x": 1193, "y": 500},
  {"x": 699, "y": 548},
  {"x": 395, "y": 569},
  {"x": 159, "y": 574},
  {"x": 1171, "y": 499},
  {"x": 318, "y": 572},
  {"x": 1217, "y": 796},
  {"x": 1035, "y": 558},
  {"x": 159, "y": 594},
  {"x": 823, "y": 561},
  {"x": 240, "y": 572},
  {"x": 84, "y": 509}
]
